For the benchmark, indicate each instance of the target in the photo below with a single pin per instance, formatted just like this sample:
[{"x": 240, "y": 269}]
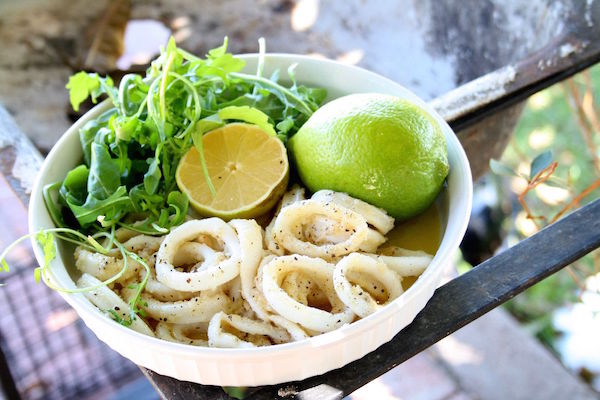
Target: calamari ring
[
  {"x": 252, "y": 330},
  {"x": 358, "y": 298},
  {"x": 404, "y": 265},
  {"x": 143, "y": 243},
  {"x": 106, "y": 266},
  {"x": 405, "y": 262},
  {"x": 288, "y": 229},
  {"x": 199, "y": 308},
  {"x": 103, "y": 266},
  {"x": 192, "y": 334},
  {"x": 373, "y": 241},
  {"x": 309, "y": 317},
  {"x": 396, "y": 251},
  {"x": 375, "y": 216},
  {"x": 297, "y": 286},
  {"x": 259, "y": 304},
  {"x": 124, "y": 234},
  {"x": 162, "y": 292},
  {"x": 250, "y": 237},
  {"x": 199, "y": 254},
  {"x": 212, "y": 275},
  {"x": 266, "y": 312},
  {"x": 295, "y": 331},
  {"x": 294, "y": 195},
  {"x": 233, "y": 290},
  {"x": 105, "y": 299}
]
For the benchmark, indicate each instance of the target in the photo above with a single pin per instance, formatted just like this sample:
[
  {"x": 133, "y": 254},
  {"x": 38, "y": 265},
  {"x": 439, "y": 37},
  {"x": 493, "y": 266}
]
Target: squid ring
[
  {"x": 294, "y": 195},
  {"x": 163, "y": 292},
  {"x": 143, "y": 243},
  {"x": 358, "y": 298},
  {"x": 199, "y": 308},
  {"x": 210, "y": 276},
  {"x": 404, "y": 265},
  {"x": 295, "y": 331},
  {"x": 250, "y": 237},
  {"x": 373, "y": 241},
  {"x": 182, "y": 333},
  {"x": 375, "y": 216},
  {"x": 309, "y": 317},
  {"x": 288, "y": 229},
  {"x": 103, "y": 266},
  {"x": 106, "y": 266},
  {"x": 249, "y": 234},
  {"x": 105, "y": 299},
  {"x": 217, "y": 337},
  {"x": 198, "y": 251}
]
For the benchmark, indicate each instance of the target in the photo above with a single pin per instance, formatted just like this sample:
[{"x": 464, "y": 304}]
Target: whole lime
[{"x": 379, "y": 148}]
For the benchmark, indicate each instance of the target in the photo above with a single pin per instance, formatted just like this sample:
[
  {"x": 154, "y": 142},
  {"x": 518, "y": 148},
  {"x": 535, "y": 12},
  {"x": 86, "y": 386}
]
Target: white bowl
[{"x": 285, "y": 362}]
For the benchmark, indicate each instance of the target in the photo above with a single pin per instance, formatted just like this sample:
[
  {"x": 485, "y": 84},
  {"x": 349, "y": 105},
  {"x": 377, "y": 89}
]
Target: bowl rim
[{"x": 447, "y": 244}]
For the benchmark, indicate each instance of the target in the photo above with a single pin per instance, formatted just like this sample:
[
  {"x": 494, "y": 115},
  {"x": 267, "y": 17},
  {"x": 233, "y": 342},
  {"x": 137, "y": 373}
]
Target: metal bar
[{"x": 452, "y": 306}]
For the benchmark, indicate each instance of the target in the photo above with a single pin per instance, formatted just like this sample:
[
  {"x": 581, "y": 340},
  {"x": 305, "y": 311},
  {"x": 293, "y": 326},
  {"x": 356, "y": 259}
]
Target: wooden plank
[{"x": 452, "y": 306}]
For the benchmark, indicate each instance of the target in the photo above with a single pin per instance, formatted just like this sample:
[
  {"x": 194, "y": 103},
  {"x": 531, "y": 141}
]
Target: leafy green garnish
[
  {"x": 131, "y": 151},
  {"x": 83, "y": 85},
  {"x": 46, "y": 241}
]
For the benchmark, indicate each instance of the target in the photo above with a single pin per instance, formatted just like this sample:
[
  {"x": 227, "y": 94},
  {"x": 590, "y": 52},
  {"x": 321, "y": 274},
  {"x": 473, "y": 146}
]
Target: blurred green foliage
[{"x": 550, "y": 122}]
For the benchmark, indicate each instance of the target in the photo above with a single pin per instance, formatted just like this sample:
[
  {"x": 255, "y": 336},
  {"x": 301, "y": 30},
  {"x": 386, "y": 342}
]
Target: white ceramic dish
[{"x": 292, "y": 361}]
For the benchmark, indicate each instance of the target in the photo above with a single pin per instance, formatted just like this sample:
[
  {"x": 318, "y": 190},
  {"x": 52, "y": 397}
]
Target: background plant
[{"x": 550, "y": 168}]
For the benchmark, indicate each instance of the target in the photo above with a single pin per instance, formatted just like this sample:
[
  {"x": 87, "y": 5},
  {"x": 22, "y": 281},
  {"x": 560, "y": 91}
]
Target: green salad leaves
[{"x": 131, "y": 151}]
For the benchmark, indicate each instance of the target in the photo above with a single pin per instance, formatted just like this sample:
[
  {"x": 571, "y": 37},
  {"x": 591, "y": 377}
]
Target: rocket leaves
[{"x": 131, "y": 151}]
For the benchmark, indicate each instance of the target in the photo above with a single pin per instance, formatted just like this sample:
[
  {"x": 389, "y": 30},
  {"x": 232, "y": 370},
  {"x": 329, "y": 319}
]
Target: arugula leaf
[
  {"x": 152, "y": 177},
  {"x": 5, "y": 266},
  {"x": 80, "y": 86},
  {"x": 83, "y": 85},
  {"x": 284, "y": 126},
  {"x": 117, "y": 318},
  {"x": 131, "y": 152},
  {"x": 104, "y": 177},
  {"x": 112, "y": 208},
  {"x": 208, "y": 124},
  {"x": 197, "y": 141},
  {"x": 91, "y": 131},
  {"x": 74, "y": 187},
  {"x": 178, "y": 202},
  {"x": 46, "y": 242}
]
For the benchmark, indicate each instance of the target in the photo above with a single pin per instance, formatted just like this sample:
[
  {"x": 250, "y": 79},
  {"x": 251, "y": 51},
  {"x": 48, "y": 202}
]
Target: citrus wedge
[{"x": 248, "y": 167}]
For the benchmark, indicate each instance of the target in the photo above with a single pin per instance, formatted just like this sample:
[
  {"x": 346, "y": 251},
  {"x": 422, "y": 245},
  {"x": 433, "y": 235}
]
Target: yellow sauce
[{"x": 423, "y": 232}]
